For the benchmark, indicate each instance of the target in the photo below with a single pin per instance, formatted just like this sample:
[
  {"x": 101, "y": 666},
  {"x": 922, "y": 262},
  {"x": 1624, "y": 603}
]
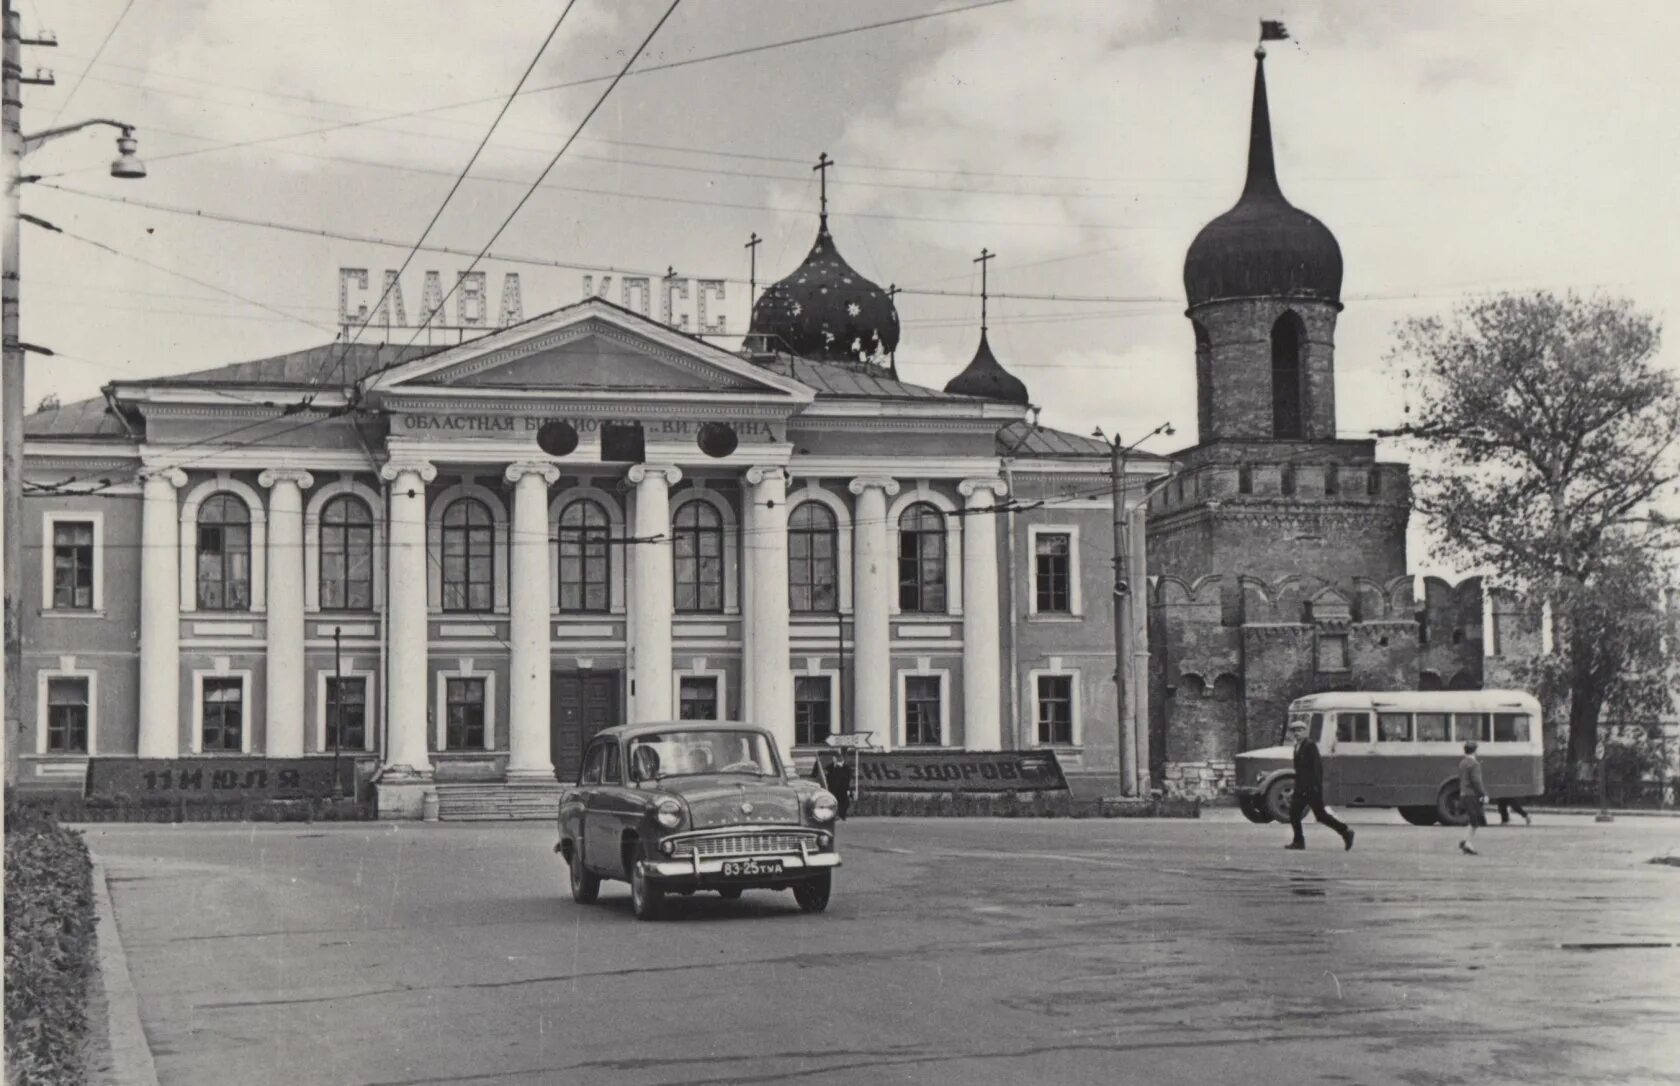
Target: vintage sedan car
[{"x": 695, "y": 805}]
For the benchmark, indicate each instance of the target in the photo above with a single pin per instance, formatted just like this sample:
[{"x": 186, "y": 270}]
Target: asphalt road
[{"x": 955, "y": 951}]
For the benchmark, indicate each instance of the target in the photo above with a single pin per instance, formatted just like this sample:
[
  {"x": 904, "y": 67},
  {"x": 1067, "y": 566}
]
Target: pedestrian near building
[
  {"x": 1472, "y": 794},
  {"x": 1309, "y": 789},
  {"x": 832, "y": 772}
]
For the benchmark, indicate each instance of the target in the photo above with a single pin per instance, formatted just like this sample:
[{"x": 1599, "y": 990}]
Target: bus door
[{"x": 1350, "y": 770}]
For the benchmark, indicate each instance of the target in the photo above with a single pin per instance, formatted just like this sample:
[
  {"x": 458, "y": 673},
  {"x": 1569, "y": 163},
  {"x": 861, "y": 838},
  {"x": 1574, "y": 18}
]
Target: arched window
[
  {"x": 346, "y": 576},
  {"x": 921, "y": 560},
  {"x": 469, "y": 562},
  {"x": 698, "y": 547},
  {"x": 813, "y": 565},
  {"x": 585, "y": 557},
  {"x": 224, "y": 554},
  {"x": 1287, "y": 336}
]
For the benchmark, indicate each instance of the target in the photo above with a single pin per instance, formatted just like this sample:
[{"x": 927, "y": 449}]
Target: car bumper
[{"x": 705, "y": 871}]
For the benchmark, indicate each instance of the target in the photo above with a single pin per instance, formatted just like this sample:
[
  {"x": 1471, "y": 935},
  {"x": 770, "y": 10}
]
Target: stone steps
[{"x": 498, "y": 801}]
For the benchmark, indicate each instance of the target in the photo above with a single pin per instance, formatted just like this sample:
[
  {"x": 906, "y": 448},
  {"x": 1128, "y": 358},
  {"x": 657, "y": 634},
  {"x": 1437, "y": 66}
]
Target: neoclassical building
[{"x": 459, "y": 563}]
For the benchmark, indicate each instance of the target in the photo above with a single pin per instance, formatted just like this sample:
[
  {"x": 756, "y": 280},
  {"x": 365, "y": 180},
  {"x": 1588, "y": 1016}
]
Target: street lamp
[
  {"x": 16, "y": 145},
  {"x": 1129, "y": 770}
]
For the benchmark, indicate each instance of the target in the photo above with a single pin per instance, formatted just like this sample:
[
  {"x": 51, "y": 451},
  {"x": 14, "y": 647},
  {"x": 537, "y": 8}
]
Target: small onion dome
[
  {"x": 1264, "y": 246},
  {"x": 985, "y": 377},
  {"x": 826, "y": 311}
]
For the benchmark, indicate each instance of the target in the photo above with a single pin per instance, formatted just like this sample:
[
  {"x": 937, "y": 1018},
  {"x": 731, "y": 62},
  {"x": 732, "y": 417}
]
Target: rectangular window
[
  {"x": 346, "y": 713},
  {"x": 1394, "y": 727},
  {"x": 67, "y": 716},
  {"x": 813, "y": 709},
  {"x": 697, "y": 697},
  {"x": 1332, "y": 652},
  {"x": 1052, "y": 589},
  {"x": 1432, "y": 728},
  {"x": 1286, "y": 482},
  {"x": 1353, "y": 727},
  {"x": 1468, "y": 726},
  {"x": 593, "y": 761},
  {"x": 223, "y": 714},
  {"x": 1055, "y": 710},
  {"x": 922, "y": 697},
  {"x": 1510, "y": 727},
  {"x": 464, "y": 714},
  {"x": 1373, "y": 483},
  {"x": 1331, "y": 481},
  {"x": 73, "y": 565},
  {"x": 1245, "y": 479}
]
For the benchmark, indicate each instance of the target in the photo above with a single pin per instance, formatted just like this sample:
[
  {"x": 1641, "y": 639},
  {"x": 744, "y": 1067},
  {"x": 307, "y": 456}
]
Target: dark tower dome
[
  {"x": 986, "y": 377},
  {"x": 826, "y": 311},
  {"x": 1264, "y": 246}
]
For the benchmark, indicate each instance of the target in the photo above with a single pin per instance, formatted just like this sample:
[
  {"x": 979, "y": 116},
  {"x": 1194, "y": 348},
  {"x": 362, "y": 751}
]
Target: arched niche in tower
[
  {"x": 1289, "y": 340},
  {"x": 1204, "y": 381}
]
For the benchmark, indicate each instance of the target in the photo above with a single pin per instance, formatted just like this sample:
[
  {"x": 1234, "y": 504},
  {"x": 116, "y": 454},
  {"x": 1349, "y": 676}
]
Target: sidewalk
[{"x": 1616, "y": 812}]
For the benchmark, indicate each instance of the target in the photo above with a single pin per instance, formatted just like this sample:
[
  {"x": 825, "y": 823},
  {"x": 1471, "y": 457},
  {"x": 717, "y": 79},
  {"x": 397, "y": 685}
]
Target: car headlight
[
  {"x": 669, "y": 812},
  {"x": 824, "y": 807}
]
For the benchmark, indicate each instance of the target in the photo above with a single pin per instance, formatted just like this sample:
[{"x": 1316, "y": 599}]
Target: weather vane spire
[
  {"x": 1270, "y": 30},
  {"x": 985, "y": 257}
]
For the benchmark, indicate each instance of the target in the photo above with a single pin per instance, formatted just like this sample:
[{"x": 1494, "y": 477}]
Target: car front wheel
[
  {"x": 644, "y": 895},
  {"x": 1448, "y": 807},
  {"x": 1420, "y": 816},
  {"x": 586, "y": 885},
  {"x": 812, "y": 893},
  {"x": 1253, "y": 809}
]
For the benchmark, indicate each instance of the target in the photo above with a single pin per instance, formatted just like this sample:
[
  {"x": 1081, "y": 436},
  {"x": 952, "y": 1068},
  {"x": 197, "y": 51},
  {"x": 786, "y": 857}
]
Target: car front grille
[{"x": 743, "y": 844}]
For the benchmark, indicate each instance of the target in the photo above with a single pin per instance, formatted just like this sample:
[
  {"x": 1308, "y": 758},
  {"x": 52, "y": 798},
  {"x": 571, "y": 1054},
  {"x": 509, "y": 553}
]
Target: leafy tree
[{"x": 1550, "y": 433}]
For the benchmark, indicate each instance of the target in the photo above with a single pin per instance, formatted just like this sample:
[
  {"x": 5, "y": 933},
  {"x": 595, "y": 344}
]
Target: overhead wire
[
  {"x": 648, "y": 70},
  {"x": 460, "y": 178},
  {"x": 97, "y": 53}
]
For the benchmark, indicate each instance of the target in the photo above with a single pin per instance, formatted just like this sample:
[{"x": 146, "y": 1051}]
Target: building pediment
[{"x": 593, "y": 349}]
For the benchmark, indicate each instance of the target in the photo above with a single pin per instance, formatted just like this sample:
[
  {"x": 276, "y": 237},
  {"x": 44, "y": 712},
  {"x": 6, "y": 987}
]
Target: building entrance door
[{"x": 582, "y": 703}]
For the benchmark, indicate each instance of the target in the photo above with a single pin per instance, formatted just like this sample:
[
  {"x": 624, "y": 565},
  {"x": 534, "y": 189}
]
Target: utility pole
[
  {"x": 1127, "y": 719},
  {"x": 12, "y": 350}
]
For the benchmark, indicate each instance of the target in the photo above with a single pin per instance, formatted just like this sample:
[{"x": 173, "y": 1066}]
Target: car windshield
[{"x": 691, "y": 752}]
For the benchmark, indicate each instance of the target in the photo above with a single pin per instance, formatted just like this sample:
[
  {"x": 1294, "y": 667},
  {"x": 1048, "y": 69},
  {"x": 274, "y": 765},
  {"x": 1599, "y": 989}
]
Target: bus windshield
[{"x": 1314, "y": 723}]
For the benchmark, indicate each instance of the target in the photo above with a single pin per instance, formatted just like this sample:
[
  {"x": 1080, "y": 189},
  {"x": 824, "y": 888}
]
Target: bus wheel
[
  {"x": 1278, "y": 795},
  {"x": 1447, "y": 807},
  {"x": 1253, "y": 809},
  {"x": 1420, "y": 816}
]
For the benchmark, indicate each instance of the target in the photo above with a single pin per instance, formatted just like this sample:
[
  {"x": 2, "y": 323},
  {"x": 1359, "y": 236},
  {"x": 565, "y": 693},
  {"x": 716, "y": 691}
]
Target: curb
[
  {"x": 1591, "y": 812},
  {"x": 131, "y": 1055}
]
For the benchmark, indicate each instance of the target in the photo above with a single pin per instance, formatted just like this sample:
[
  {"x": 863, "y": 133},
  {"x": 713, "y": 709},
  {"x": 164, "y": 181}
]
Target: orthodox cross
[
  {"x": 821, "y": 168},
  {"x": 752, "y": 275},
  {"x": 983, "y": 259}
]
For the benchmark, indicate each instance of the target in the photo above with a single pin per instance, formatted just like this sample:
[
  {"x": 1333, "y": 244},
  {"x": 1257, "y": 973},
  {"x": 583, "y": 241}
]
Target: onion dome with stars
[
  {"x": 985, "y": 376},
  {"x": 1264, "y": 246},
  {"x": 825, "y": 310}
]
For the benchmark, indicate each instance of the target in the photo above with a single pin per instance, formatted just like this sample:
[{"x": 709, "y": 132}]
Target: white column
[
  {"x": 408, "y": 673},
  {"x": 528, "y": 685},
  {"x": 982, "y": 649},
  {"x": 286, "y": 681},
  {"x": 766, "y": 639},
  {"x": 1137, "y": 576},
  {"x": 874, "y": 575},
  {"x": 652, "y": 572},
  {"x": 160, "y": 614}
]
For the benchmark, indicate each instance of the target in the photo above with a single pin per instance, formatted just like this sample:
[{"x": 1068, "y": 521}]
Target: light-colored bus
[{"x": 1402, "y": 750}]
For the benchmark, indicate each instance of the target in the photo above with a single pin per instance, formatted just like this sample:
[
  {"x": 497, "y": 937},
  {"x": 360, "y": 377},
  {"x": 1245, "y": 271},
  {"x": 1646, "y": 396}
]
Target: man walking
[
  {"x": 1472, "y": 794},
  {"x": 1309, "y": 789}
]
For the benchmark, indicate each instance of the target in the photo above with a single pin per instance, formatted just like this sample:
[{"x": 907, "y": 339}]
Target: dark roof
[
  {"x": 1264, "y": 246},
  {"x": 825, "y": 310},
  {"x": 985, "y": 377},
  {"x": 326, "y": 366},
  {"x": 833, "y": 381},
  {"x": 81, "y": 419},
  {"x": 1024, "y": 439}
]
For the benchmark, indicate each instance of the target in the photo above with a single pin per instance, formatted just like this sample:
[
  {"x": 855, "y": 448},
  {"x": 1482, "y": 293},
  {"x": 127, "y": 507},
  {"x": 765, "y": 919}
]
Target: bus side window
[
  {"x": 1394, "y": 727},
  {"x": 1468, "y": 726},
  {"x": 1432, "y": 727},
  {"x": 1510, "y": 727},
  {"x": 1353, "y": 728}
]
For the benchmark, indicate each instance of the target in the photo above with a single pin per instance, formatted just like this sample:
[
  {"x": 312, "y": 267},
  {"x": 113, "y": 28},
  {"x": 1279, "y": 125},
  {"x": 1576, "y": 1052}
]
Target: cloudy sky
[{"x": 1453, "y": 148}]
